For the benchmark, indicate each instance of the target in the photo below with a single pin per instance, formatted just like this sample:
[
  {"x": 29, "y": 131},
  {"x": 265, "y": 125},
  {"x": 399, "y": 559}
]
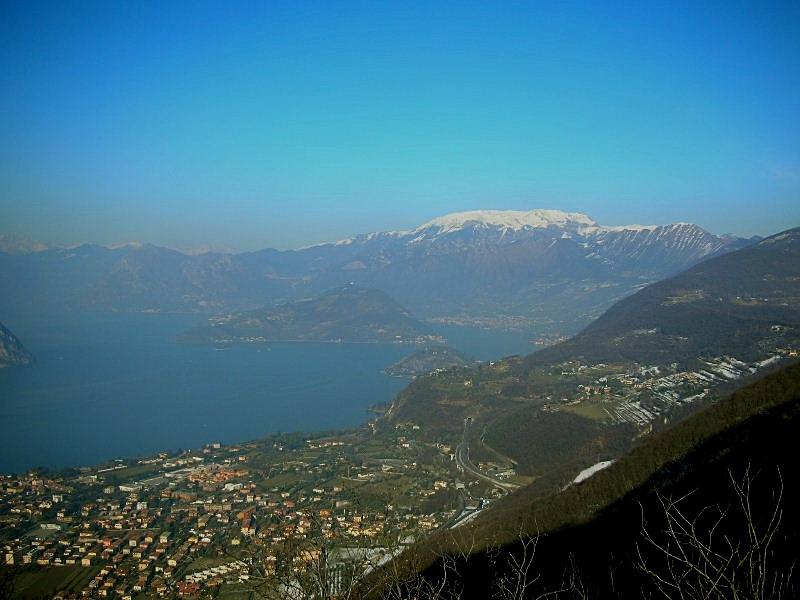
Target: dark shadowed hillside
[{"x": 715, "y": 489}]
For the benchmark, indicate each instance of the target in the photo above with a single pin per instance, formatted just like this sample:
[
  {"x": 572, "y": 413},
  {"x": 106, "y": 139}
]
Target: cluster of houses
[
  {"x": 641, "y": 395},
  {"x": 174, "y": 532}
]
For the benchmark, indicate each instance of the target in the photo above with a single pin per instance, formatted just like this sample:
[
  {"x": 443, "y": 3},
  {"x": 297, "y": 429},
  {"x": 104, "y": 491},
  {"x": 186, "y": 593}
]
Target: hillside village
[{"x": 638, "y": 396}]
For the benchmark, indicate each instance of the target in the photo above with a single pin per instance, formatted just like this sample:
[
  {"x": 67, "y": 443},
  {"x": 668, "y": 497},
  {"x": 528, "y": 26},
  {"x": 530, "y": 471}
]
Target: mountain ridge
[
  {"x": 549, "y": 272},
  {"x": 13, "y": 243},
  {"x": 709, "y": 287}
]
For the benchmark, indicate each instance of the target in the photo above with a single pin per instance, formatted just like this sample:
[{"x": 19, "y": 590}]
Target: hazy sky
[{"x": 255, "y": 124}]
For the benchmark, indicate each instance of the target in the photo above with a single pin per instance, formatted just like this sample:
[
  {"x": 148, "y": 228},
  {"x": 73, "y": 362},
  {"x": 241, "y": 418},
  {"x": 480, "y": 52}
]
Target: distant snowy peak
[
  {"x": 513, "y": 220},
  {"x": 514, "y": 225}
]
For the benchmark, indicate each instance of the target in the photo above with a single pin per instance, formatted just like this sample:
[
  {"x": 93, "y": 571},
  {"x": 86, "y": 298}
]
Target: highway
[{"x": 463, "y": 461}]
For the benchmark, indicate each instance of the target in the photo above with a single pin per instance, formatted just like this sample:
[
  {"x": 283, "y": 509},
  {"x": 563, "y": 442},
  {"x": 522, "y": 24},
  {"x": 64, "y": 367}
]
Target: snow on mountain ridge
[
  {"x": 614, "y": 228},
  {"x": 514, "y": 220}
]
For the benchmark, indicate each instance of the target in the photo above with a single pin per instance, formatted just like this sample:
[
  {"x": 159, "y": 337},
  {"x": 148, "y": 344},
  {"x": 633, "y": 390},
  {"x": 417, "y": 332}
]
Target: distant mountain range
[
  {"x": 20, "y": 244},
  {"x": 347, "y": 314},
  {"x": 12, "y": 352},
  {"x": 542, "y": 270}
]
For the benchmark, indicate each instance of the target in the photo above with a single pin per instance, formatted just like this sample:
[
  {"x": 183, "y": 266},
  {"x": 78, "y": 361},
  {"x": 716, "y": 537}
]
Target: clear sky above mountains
[{"x": 254, "y": 124}]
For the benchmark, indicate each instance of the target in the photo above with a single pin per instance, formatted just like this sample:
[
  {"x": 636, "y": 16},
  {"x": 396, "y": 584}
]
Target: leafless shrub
[{"x": 721, "y": 552}]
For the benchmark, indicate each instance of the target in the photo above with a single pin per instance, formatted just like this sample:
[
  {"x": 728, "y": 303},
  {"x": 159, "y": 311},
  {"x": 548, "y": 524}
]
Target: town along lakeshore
[{"x": 117, "y": 385}]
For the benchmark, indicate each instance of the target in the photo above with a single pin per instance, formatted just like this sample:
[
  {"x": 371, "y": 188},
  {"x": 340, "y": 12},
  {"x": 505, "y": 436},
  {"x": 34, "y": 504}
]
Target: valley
[
  {"x": 399, "y": 300},
  {"x": 490, "y": 453}
]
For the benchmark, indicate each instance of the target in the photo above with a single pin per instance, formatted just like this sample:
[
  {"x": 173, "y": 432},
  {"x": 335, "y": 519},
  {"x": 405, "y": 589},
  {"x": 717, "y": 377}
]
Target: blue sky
[{"x": 279, "y": 124}]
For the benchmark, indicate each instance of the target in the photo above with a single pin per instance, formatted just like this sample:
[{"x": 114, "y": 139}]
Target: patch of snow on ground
[
  {"x": 770, "y": 361},
  {"x": 586, "y": 473}
]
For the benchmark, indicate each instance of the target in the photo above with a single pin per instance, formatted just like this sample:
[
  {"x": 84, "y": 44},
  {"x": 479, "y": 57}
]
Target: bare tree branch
[{"x": 718, "y": 553}]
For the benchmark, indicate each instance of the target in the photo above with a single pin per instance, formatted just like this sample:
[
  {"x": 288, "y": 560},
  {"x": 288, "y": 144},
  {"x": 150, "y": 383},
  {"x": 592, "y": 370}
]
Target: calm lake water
[{"x": 114, "y": 385}]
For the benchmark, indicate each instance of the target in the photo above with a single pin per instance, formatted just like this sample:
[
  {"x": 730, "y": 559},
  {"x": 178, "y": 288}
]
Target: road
[{"x": 463, "y": 461}]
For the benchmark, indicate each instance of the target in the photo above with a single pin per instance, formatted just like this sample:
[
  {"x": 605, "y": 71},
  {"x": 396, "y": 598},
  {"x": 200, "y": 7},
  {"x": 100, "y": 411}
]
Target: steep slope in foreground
[
  {"x": 12, "y": 352},
  {"x": 720, "y": 481},
  {"x": 348, "y": 314}
]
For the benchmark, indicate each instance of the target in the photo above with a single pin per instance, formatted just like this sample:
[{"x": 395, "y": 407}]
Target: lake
[{"x": 116, "y": 385}]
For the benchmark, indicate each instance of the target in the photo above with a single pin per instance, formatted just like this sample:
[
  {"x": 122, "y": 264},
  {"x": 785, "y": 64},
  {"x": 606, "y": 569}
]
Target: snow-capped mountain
[
  {"x": 506, "y": 220},
  {"x": 640, "y": 247},
  {"x": 547, "y": 270},
  {"x": 513, "y": 225}
]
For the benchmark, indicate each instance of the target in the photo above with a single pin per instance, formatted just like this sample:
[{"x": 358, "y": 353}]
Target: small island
[
  {"x": 429, "y": 360},
  {"x": 12, "y": 352},
  {"x": 350, "y": 314}
]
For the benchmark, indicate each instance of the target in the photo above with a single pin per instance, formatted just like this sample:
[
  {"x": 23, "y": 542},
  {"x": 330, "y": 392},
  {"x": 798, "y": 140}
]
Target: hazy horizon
[
  {"x": 243, "y": 126},
  {"x": 22, "y": 237}
]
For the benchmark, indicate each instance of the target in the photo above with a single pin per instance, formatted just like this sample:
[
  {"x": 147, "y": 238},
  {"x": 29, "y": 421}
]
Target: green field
[
  {"x": 35, "y": 583},
  {"x": 590, "y": 409}
]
